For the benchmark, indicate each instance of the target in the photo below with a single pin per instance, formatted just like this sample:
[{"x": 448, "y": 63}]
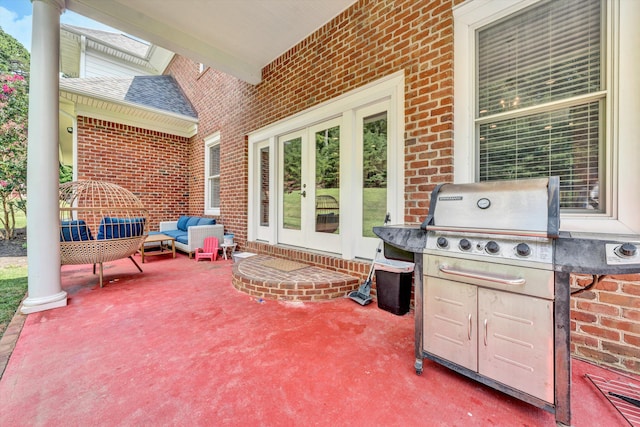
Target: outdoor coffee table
[{"x": 164, "y": 247}]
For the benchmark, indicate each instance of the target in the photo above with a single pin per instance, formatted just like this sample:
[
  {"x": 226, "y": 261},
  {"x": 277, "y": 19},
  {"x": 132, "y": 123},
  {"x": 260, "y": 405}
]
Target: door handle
[
  {"x": 485, "y": 331},
  {"x": 469, "y": 328},
  {"x": 514, "y": 281},
  {"x": 303, "y": 193}
]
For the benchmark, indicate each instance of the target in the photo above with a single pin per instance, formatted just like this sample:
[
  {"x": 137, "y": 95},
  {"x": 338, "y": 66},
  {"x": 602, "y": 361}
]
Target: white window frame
[
  {"x": 622, "y": 127},
  {"x": 210, "y": 141},
  {"x": 390, "y": 88}
]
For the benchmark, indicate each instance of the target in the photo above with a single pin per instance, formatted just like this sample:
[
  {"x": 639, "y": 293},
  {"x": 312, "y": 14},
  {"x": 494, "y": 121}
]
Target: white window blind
[
  {"x": 214, "y": 176},
  {"x": 541, "y": 98}
]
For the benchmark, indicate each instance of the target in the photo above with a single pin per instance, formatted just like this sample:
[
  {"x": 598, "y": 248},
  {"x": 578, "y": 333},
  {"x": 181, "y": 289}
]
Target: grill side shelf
[
  {"x": 409, "y": 239},
  {"x": 587, "y": 256}
]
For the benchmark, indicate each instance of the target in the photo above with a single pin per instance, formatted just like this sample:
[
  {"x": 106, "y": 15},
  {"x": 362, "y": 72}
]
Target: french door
[
  {"x": 322, "y": 179},
  {"x": 371, "y": 198},
  {"x": 309, "y": 187}
]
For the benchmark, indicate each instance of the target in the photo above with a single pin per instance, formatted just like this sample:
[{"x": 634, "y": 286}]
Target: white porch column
[{"x": 43, "y": 235}]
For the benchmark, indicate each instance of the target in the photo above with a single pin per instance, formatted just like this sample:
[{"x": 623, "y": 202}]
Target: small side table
[
  {"x": 225, "y": 246},
  {"x": 158, "y": 238}
]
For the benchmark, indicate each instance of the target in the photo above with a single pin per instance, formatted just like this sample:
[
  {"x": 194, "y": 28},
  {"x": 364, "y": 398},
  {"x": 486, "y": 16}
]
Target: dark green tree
[{"x": 374, "y": 152}]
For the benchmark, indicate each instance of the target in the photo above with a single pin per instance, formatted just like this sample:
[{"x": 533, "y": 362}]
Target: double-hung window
[
  {"x": 212, "y": 174},
  {"x": 540, "y": 98},
  {"x": 535, "y": 96}
]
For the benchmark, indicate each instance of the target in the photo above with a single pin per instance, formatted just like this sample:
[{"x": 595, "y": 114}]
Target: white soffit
[{"x": 238, "y": 37}]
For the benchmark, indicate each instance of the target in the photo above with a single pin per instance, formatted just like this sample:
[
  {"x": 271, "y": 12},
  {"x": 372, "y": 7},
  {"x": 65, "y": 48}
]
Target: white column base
[{"x": 33, "y": 305}]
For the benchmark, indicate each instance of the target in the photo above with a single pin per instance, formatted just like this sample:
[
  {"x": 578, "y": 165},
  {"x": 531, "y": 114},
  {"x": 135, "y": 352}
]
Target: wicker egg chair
[{"x": 114, "y": 213}]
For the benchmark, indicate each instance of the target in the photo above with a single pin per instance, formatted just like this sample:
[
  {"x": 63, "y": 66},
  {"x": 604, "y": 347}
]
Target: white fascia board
[
  {"x": 186, "y": 130},
  {"x": 183, "y": 125}
]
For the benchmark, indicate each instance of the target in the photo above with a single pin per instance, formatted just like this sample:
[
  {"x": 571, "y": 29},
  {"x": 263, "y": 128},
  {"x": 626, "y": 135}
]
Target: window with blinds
[
  {"x": 214, "y": 177},
  {"x": 541, "y": 99}
]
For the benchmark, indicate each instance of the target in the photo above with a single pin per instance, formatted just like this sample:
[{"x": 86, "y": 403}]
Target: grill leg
[
  {"x": 562, "y": 349},
  {"x": 418, "y": 309}
]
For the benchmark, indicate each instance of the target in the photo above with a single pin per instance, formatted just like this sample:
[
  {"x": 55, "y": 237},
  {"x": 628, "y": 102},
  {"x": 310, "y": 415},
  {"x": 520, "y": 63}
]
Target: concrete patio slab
[{"x": 179, "y": 345}]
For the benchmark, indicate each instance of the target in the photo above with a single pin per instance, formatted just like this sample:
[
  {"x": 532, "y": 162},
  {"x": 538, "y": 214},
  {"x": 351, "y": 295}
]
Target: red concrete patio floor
[{"x": 178, "y": 345}]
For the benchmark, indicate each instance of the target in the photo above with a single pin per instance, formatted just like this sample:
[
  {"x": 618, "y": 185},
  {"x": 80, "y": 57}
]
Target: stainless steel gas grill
[
  {"x": 488, "y": 298},
  {"x": 492, "y": 285}
]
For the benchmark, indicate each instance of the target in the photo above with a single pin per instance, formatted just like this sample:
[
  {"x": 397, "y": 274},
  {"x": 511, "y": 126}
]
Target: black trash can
[{"x": 393, "y": 285}]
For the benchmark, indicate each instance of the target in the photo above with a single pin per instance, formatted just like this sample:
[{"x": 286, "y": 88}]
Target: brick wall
[
  {"x": 223, "y": 104},
  {"x": 370, "y": 40},
  {"x": 149, "y": 164},
  {"x": 605, "y": 321}
]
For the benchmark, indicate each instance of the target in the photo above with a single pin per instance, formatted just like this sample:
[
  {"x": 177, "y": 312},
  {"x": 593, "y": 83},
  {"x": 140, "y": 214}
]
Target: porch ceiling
[{"x": 236, "y": 37}]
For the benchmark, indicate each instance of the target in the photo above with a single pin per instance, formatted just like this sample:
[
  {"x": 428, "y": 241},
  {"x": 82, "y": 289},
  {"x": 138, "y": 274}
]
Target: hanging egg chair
[{"x": 100, "y": 222}]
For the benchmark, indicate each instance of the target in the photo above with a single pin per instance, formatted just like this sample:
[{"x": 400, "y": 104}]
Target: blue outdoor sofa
[{"x": 190, "y": 232}]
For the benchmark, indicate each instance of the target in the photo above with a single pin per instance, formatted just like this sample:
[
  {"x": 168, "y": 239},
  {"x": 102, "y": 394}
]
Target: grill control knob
[
  {"x": 465, "y": 244},
  {"x": 442, "y": 243},
  {"x": 492, "y": 247},
  {"x": 628, "y": 249},
  {"x": 523, "y": 249}
]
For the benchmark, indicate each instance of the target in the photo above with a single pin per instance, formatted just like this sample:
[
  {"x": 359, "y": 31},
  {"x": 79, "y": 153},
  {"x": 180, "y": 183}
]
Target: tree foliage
[
  {"x": 14, "y": 104},
  {"x": 14, "y": 58},
  {"x": 374, "y": 152},
  {"x": 328, "y": 158}
]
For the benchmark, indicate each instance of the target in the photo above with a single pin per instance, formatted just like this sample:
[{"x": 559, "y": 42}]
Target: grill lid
[{"x": 528, "y": 207}]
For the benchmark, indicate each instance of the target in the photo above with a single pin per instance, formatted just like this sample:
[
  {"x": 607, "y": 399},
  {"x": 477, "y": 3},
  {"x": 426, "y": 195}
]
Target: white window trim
[
  {"x": 622, "y": 124},
  {"x": 391, "y": 88},
  {"x": 209, "y": 141}
]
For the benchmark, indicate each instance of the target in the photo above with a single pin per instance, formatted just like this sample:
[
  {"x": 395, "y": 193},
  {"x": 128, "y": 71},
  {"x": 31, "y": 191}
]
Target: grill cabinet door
[
  {"x": 516, "y": 345},
  {"x": 450, "y": 329}
]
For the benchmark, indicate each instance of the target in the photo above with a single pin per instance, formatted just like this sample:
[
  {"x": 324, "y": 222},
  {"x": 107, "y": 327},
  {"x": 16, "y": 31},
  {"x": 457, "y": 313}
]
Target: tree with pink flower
[{"x": 14, "y": 104}]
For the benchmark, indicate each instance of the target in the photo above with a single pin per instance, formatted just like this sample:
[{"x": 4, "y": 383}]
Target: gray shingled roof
[
  {"x": 123, "y": 42},
  {"x": 160, "y": 92}
]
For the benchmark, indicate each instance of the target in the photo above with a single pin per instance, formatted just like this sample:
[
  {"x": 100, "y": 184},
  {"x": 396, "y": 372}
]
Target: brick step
[{"x": 274, "y": 278}]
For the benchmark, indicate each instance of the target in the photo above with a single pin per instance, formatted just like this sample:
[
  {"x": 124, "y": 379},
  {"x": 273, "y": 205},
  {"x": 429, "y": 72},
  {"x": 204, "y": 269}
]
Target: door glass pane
[
  {"x": 374, "y": 171},
  {"x": 328, "y": 180},
  {"x": 292, "y": 183},
  {"x": 264, "y": 187}
]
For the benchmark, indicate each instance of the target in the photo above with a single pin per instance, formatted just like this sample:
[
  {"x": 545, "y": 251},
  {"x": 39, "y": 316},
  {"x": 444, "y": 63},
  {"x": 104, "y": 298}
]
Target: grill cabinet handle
[
  {"x": 469, "y": 328},
  {"x": 485, "y": 331},
  {"x": 515, "y": 281}
]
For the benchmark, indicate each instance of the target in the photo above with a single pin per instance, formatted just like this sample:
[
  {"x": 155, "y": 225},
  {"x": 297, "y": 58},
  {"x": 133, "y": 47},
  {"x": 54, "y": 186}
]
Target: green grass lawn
[
  {"x": 375, "y": 209},
  {"x": 21, "y": 219},
  {"x": 13, "y": 286}
]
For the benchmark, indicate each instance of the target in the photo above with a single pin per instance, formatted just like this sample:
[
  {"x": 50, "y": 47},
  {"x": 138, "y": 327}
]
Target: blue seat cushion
[
  {"x": 184, "y": 239},
  {"x": 117, "y": 228},
  {"x": 182, "y": 222},
  {"x": 206, "y": 221},
  {"x": 74, "y": 231},
  {"x": 193, "y": 221},
  {"x": 174, "y": 233}
]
